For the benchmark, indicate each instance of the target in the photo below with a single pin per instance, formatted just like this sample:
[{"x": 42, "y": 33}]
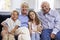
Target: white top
[
  {"x": 34, "y": 28},
  {"x": 11, "y": 24}
]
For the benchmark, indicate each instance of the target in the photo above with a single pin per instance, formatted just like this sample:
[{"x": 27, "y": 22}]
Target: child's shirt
[
  {"x": 34, "y": 27},
  {"x": 11, "y": 24}
]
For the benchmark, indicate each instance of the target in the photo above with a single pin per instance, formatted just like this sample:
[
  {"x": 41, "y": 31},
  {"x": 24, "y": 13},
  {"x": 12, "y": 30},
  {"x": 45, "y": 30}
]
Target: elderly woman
[{"x": 23, "y": 32}]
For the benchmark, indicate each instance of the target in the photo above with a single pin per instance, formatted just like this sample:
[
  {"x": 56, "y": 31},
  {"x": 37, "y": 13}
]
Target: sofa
[{"x": 2, "y": 18}]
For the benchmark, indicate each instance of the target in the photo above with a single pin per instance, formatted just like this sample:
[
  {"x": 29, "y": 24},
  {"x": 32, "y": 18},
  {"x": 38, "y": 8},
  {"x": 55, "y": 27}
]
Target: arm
[
  {"x": 39, "y": 28},
  {"x": 13, "y": 31},
  {"x": 57, "y": 25},
  {"x": 18, "y": 23},
  {"x": 5, "y": 26},
  {"x": 29, "y": 26}
]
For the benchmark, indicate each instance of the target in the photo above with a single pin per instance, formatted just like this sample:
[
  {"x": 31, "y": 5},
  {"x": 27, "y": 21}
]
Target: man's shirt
[{"x": 50, "y": 20}]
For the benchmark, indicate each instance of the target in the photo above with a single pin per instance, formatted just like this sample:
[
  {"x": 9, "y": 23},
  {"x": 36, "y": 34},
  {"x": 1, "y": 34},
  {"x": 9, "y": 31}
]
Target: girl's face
[
  {"x": 14, "y": 16},
  {"x": 32, "y": 15}
]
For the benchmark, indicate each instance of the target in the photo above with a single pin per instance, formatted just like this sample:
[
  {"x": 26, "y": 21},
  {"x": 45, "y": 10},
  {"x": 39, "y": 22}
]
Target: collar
[{"x": 48, "y": 12}]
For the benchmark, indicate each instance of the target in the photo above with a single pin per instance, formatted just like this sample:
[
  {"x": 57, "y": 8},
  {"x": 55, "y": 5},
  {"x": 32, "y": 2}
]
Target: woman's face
[
  {"x": 32, "y": 15},
  {"x": 24, "y": 9}
]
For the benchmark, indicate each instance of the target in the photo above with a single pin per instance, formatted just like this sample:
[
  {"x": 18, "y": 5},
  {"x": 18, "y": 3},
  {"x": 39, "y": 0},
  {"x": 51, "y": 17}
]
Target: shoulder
[
  {"x": 40, "y": 13},
  {"x": 54, "y": 12},
  {"x": 17, "y": 20},
  {"x": 20, "y": 15},
  {"x": 8, "y": 19}
]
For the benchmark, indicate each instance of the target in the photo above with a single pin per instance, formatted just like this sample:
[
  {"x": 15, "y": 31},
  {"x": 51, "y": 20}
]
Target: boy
[{"x": 9, "y": 26}]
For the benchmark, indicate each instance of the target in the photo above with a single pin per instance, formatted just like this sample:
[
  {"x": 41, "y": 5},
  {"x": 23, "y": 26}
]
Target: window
[
  {"x": 5, "y": 5},
  {"x": 38, "y": 4}
]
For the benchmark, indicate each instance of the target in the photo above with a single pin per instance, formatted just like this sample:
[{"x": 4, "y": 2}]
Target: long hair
[{"x": 37, "y": 21}]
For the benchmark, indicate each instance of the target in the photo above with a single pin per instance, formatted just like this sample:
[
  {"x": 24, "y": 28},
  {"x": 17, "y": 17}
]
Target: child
[
  {"x": 9, "y": 26},
  {"x": 34, "y": 25}
]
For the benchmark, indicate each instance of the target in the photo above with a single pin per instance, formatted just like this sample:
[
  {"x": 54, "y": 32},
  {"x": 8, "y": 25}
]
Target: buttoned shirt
[{"x": 50, "y": 20}]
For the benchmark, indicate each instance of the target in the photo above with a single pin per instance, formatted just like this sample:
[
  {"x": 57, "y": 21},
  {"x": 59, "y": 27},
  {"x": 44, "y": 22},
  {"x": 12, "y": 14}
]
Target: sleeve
[
  {"x": 57, "y": 23},
  {"x": 18, "y": 23},
  {"x": 6, "y": 21}
]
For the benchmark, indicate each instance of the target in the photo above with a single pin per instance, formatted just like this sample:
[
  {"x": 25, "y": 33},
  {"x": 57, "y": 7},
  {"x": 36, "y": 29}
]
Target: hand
[
  {"x": 16, "y": 27},
  {"x": 11, "y": 33},
  {"x": 52, "y": 35}
]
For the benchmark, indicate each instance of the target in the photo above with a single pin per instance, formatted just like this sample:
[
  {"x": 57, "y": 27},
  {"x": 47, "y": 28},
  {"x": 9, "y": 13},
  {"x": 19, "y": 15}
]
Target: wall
[
  {"x": 34, "y": 4},
  {"x": 57, "y": 3}
]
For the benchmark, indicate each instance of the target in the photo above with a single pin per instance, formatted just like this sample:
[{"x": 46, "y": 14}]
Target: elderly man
[
  {"x": 23, "y": 29},
  {"x": 50, "y": 21}
]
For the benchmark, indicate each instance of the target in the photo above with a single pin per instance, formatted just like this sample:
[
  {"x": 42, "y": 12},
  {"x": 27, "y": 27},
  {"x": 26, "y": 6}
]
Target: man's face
[
  {"x": 24, "y": 9},
  {"x": 45, "y": 8}
]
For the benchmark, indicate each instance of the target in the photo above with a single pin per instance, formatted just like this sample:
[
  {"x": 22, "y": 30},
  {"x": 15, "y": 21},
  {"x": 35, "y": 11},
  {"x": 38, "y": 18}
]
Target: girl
[{"x": 34, "y": 25}]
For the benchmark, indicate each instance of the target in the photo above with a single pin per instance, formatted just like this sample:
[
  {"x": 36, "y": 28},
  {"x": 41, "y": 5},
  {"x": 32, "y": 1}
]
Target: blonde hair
[{"x": 25, "y": 4}]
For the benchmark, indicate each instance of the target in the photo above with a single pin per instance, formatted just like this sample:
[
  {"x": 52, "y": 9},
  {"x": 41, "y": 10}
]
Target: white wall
[
  {"x": 17, "y": 3},
  {"x": 34, "y": 4},
  {"x": 57, "y": 3}
]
